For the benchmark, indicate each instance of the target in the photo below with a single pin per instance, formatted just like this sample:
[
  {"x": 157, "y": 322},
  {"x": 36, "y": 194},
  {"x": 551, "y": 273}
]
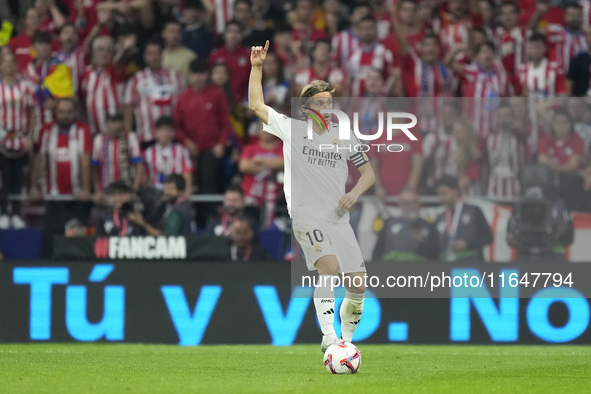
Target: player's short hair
[
  {"x": 313, "y": 88},
  {"x": 283, "y": 28},
  {"x": 235, "y": 189},
  {"x": 538, "y": 37},
  {"x": 447, "y": 180},
  {"x": 41, "y": 37},
  {"x": 165, "y": 121},
  {"x": 198, "y": 66},
  {"x": 178, "y": 181},
  {"x": 119, "y": 187},
  {"x": 114, "y": 117}
]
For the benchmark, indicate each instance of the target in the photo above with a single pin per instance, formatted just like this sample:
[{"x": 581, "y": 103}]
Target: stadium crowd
[{"x": 103, "y": 97}]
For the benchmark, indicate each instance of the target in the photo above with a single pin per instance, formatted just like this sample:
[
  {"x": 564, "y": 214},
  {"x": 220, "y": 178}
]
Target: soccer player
[{"x": 320, "y": 207}]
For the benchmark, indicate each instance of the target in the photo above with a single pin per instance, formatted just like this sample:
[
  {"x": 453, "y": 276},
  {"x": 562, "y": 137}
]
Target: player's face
[
  {"x": 153, "y": 56},
  {"x": 115, "y": 128},
  {"x": 321, "y": 101},
  {"x": 65, "y": 113},
  {"x": 573, "y": 18},
  {"x": 562, "y": 127},
  {"x": 172, "y": 34},
  {"x": 219, "y": 75},
  {"x": 536, "y": 50},
  {"x": 508, "y": 16},
  {"x": 164, "y": 135},
  {"x": 68, "y": 37},
  {"x": 367, "y": 32},
  {"x": 429, "y": 49},
  {"x": 233, "y": 203},
  {"x": 408, "y": 12}
]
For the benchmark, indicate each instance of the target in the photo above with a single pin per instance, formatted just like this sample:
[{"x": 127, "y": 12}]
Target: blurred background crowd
[{"x": 130, "y": 117}]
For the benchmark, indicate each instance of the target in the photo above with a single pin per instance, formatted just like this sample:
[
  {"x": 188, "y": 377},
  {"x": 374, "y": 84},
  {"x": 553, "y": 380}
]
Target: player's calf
[{"x": 352, "y": 306}]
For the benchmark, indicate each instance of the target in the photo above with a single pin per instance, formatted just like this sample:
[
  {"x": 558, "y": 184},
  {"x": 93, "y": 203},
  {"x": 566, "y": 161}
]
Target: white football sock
[
  {"x": 350, "y": 313},
  {"x": 324, "y": 303}
]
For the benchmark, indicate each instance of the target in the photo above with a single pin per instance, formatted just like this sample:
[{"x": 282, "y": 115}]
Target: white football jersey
[{"x": 314, "y": 180}]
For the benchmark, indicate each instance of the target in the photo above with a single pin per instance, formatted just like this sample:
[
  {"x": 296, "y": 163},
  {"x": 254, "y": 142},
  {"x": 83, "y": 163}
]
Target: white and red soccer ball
[{"x": 342, "y": 358}]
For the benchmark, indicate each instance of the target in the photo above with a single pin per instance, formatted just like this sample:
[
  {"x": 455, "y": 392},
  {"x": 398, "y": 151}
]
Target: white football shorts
[{"x": 320, "y": 238}]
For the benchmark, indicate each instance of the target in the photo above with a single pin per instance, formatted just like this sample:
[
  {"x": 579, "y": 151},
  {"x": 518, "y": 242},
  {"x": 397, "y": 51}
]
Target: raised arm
[{"x": 256, "y": 102}]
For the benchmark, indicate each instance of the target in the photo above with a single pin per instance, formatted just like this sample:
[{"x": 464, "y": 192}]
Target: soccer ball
[{"x": 342, "y": 358}]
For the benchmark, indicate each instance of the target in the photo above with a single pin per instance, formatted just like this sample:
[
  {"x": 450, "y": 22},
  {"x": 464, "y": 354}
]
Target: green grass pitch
[{"x": 110, "y": 368}]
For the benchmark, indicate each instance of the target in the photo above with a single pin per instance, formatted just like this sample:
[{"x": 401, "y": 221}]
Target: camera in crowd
[
  {"x": 540, "y": 224},
  {"x": 133, "y": 206}
]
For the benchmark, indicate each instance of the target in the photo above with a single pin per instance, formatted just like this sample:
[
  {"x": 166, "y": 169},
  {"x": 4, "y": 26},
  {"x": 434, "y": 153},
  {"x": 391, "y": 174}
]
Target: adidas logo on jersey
[{"x": 329, "y": 312}]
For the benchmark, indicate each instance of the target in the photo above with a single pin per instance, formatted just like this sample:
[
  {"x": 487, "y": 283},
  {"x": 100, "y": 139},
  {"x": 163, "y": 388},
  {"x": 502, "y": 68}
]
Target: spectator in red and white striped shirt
[
  {"x": 371, "y": 54},
  {"x": 63, "y": 151},
  {"x": 511, "y": 39},
  {"x": 17, "y": 103},
  {"x": 485, "y": 80},
  {"x": 346, "y": 41},
  {"x": 506, "y": 156},
  {"x": 151, "y": 93},
  {"x": 167, "y": 157},
  {"x": 425, "y": 75},
  {"x": 539, "y": 79},
  {"x": 115, "y": 157},
  {"x": 322, "y": 68},
  {"x": 566, "y": 41},
  {"x": 102, "y": 83},
  {"x": 72, "y": 54}
]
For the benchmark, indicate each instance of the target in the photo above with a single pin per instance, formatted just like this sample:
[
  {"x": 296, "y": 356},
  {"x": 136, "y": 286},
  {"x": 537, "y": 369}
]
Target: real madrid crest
[{"x": 318, "y": 249}]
